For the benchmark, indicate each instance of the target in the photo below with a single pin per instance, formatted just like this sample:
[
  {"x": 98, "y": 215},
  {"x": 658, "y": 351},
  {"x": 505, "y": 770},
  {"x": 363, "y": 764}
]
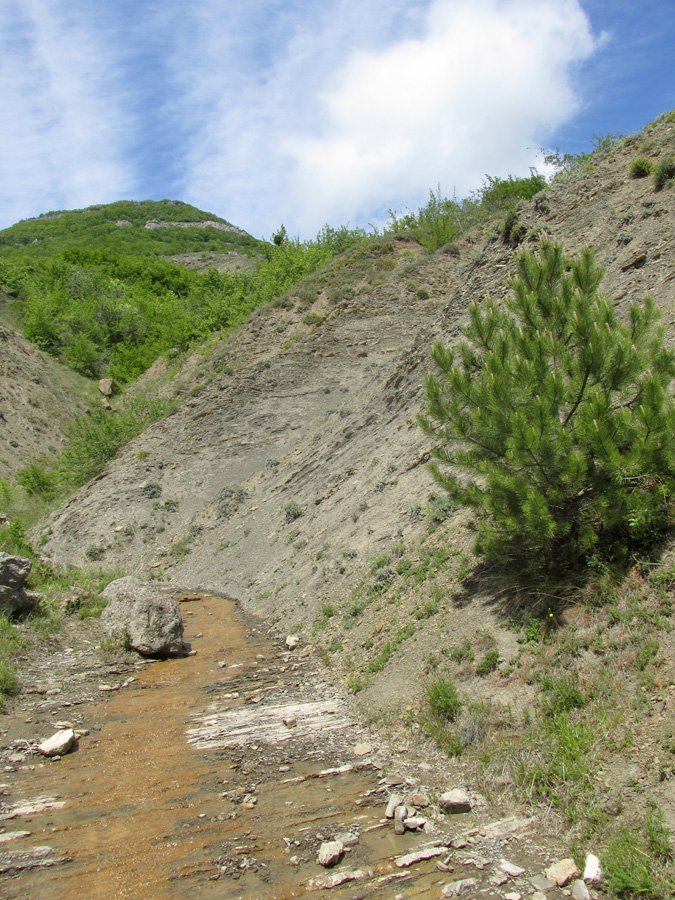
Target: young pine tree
[{"x": 554, "y": 420}]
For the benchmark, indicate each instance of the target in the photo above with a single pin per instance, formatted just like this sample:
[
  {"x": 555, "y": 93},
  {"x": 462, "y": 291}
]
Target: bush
[
  {"x": 443, "y": 700},
  {"x": 664, "y": 172},
  {"x": 488, "y": 663},
  {"x": 292, "y": 511},
  {"x": 641, "y": 167},
  {"x": 554, "y": 420}
]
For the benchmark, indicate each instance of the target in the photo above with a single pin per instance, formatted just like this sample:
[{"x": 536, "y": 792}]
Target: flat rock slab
[
  {"x": 326, "y": 882},
  {"x": 266, "y": 723},
  {"x": 35, "y": 857},
  {"x": 30, "y": 807},
  {"x": 409, "y": 859}
]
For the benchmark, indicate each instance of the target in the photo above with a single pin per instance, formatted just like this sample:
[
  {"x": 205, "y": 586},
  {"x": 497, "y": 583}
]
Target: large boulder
[
  {"x": 142, "y": 616},
  {"x": 14, "y": 570}
]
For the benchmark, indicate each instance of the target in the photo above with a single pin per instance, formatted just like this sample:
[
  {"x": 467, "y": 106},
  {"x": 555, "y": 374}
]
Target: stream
[{"x": 214, "y": 775}]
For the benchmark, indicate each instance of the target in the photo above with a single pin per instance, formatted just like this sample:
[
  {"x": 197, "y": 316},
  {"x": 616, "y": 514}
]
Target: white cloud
[
  {"x": 62, "y": 129},
  {"x": 344, "y": 124},
  {"x": 301, "y": 112}
]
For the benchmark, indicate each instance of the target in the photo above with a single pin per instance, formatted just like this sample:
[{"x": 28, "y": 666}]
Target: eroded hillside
[{"x": 291, "y": 476}]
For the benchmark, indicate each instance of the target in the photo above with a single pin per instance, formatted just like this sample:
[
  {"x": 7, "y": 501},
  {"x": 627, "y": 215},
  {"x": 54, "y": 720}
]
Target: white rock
[
  {"x": 400, "y": 815},
  {"x": 512, "y": 895},
  {"x": 292, "y": 641},
  {"x": 58, "y": 743},
  {"x": 592, "y": 870},
  {"x": 562, "y": 872},
  {"x": 414, "y": 823},
  {"x": 330, "y": 853},
  {"x": 455, "y": 801},
  {"x": 580, "y": 891}
]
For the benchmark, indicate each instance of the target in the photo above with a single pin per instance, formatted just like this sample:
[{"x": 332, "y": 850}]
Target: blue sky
[{"x": 309, "y": 112}]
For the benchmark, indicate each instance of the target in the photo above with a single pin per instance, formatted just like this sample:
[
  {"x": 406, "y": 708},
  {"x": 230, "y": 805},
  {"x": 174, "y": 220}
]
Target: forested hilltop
[{"x": 109, "y": 288}]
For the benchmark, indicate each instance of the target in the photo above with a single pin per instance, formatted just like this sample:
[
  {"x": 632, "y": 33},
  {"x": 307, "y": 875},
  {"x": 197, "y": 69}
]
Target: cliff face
[{"x": 294, "y": 459}]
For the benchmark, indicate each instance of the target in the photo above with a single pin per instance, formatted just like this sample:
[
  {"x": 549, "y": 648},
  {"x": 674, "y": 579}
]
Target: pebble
[
  {"x": 362, "y": 749},
  {"x": 292, "y": 641}
]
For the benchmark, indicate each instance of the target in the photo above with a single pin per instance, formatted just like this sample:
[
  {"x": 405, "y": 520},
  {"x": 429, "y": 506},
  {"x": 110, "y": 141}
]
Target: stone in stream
[
  {"x": 400, "y": 815},
  {"x": 58, "y": 744},
  {"x": 292, "y": 641},
  {"x": 455, "y": 801},
  {"x": 330, "y": 853},
  {"x": 144, "y": 617}
]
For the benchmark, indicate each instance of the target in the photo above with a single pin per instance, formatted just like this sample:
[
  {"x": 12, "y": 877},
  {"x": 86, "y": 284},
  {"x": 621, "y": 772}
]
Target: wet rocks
[
  {"x": 58, "y": 744},
  {"x": 13, "y": 573},
  {"x": 142, "y": 617}
]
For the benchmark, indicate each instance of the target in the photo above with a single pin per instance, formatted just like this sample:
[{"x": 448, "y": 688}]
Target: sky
[{"x": 312, "y": 112}]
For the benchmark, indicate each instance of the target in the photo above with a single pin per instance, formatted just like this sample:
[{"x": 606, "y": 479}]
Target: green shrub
[
  {"x": 311, "y": 318},
  {"x": 664, "y": 173},
  {"x": 554, "y": 420},
  {"x": 37, "y": 480},
  {"x": 489, "y": 662},
  {"x": 443, "y": 700},
  {"x": 292, "y": 511},
  {"x": 151, "y": 490},
  {"x": 641, "y": 167}
]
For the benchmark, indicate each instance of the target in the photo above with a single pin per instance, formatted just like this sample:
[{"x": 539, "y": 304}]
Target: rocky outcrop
[
  {"x": 14, "y": 570},
  {"x": 144, "y": 618}
]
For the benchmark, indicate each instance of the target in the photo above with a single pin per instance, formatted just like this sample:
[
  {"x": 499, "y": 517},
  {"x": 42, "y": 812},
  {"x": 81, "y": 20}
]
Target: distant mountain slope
[{"x": 143, "y": 228}]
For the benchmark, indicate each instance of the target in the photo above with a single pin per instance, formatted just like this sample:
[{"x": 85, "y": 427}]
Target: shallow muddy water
[{"x": 194, "y": 785}]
